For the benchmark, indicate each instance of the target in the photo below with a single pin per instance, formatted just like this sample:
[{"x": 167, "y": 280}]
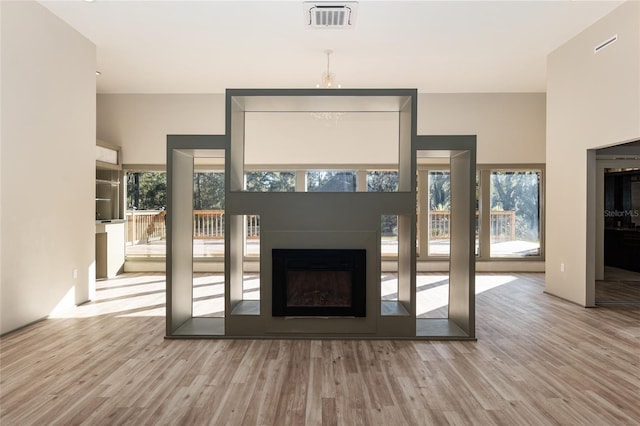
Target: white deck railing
[
  {"x": 144, "y": 226},
  {"x": 502, "y": 227}
]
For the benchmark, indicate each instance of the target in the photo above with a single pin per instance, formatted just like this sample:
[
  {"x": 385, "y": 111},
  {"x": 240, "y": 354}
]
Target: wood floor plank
[{"x": 538, "y": 360}]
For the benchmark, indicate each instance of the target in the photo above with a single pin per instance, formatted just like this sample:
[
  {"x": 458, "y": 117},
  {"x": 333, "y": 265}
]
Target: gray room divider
[{"x": 329, "y": 220}]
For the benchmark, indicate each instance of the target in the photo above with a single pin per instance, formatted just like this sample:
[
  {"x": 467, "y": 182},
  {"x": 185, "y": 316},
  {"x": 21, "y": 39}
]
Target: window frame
[
  {"x": 484, "y": 199},
  {"x": 485, "y": 192},
  {"x": 136, "y": 168}
]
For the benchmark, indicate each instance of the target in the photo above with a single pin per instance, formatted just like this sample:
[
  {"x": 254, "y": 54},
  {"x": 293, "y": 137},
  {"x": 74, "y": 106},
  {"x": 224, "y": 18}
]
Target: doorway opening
[{"x": 617, "y": 239}]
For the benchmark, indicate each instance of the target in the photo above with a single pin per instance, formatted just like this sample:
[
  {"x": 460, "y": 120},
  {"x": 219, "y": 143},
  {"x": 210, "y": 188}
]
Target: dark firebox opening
[{"x": 319, "y": 282}]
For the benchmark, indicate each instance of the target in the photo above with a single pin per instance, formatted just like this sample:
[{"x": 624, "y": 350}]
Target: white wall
[
  {"x": 48, "y": 164},
  {"x": 139, "y": 124},
  {"x": 593, "y": 100},
  {"x": 302, "y": 138},
  {"x": 510, "y": 127},
  {"x": 1, "y": 162}
]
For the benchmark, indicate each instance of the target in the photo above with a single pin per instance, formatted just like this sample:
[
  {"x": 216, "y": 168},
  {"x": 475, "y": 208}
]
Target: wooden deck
[{"x": 538, "y": 360}]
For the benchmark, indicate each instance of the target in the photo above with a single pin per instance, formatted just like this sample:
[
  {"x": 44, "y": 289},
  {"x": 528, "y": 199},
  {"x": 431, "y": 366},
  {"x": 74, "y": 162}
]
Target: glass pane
[
  {"x": 382, "y": 181},
  {"x": 439, "y": 212},
  {"x": 145, "y": 214},
  {"x": 515, "y": 213},
  {"x": 252, "y": 241},
  {"x": 331, "y": 181},
  {"x": 208, "y": 214},
  {"x": 389, "y": 235},
  {"x": 251, "y": 273},
  {"x": 270, "y": 181}
]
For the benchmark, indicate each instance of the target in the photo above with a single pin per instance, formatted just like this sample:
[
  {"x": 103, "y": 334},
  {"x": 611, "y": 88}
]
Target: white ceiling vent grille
[
  {"x": 606, "y": 43},
  {"x": 326, "y": 15}
]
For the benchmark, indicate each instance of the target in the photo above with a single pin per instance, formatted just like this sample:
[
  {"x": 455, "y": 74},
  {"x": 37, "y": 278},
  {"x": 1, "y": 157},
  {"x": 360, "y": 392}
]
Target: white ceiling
[{"x": 434, "y": 46}]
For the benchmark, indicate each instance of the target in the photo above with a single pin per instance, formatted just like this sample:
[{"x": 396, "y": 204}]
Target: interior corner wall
[
  {"x": 593, "y": 101},
  {"x": 48, "y": 105},
  {"x": 510, "y": 127},
  {"x": 1, "y": 167},
  {"x": 140, "y": 123}
]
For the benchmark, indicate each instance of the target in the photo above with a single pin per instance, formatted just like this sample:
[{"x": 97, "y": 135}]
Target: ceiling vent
[
  {"x": 606, "y": 43},
  {"x": 327, "y": 15}
]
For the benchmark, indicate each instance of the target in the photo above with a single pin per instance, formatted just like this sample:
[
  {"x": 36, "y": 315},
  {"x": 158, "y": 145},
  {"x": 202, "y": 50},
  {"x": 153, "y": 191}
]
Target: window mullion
[{"x": 485, "y": 214}]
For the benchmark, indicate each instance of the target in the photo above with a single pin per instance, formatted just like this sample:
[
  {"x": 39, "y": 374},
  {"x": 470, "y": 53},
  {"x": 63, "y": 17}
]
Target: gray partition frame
[
  {"x": 181, "y": 152},
  {"x": 243, "y": 319},
  {"x": 461, "y": 151}
]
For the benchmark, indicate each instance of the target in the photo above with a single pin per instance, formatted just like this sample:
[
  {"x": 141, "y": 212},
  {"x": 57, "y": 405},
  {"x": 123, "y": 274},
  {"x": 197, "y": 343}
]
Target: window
[
  {"x": 510, "y": 226},
  {"x": 270, "y": 181},
  {"x": 252, "y": 234},
  {"x": 382, "y": 181},
  {"x": 146, "y": 214},
  {"x": 146, "y": 190},
  {"x": 331, "y": 181},
  {"x": 515, "y": 213},
  {"x": 208, "y": 191},
  {"x": 208, "y": 213},
  {"x": 439, "y": 212},
  {"x": 389, "y": 235}
]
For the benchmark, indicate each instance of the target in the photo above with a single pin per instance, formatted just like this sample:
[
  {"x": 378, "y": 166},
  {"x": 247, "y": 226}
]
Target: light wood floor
[
  {"x": 618, "y": 287},
  {"x": 538, "y": 361}
]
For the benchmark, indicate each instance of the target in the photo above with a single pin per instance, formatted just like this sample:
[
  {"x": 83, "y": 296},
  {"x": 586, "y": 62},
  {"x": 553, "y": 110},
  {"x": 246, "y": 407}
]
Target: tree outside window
[
  {"x": 269, "y": 181},
  {"x": 515, "y": 213},
  {"x": 146, "y": 213},
  {"x": 331, "y": 181}
]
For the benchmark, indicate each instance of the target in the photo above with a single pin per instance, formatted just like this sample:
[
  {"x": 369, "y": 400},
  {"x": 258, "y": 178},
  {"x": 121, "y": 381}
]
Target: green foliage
[
  {"x": 146, "y": 190},
  {"x": 318, "y": 178},
  {"x": 519, "y": 192},
  {"x": 208, "y": 191},
  {"x": 382, "y": 181},
  {"x": 389, "y": 225},
  {"x": 331, "y": 181},
  {"x": 271, "y": 181},
  {"x": 516, "y": 191},
  {"x": 439, "y": 191}
]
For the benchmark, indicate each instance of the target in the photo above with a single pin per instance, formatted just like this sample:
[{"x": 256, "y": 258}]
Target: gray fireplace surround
[{"x": 320, "y": 221}]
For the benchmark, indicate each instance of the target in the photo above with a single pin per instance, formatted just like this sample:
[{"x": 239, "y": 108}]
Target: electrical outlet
[
  {"x": 562, "y": 267},
  {"x": 75, "y": 274}
]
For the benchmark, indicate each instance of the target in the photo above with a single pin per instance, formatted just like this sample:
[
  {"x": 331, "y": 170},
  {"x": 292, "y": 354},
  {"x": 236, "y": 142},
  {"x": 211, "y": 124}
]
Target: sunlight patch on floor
[
  {"x": 127, "y": 294},
  {"x": 432, "y": 294},
  {"x": 138, "y": 295},
  {"x": 487, "y": 282}
]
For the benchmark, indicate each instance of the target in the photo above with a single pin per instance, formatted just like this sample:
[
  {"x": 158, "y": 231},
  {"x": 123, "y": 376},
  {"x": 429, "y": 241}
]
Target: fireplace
[{"x": 319, "y": 282}]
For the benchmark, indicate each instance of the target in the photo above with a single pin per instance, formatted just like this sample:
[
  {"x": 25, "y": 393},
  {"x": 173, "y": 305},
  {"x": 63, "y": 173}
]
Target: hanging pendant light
[{"x": 328, "y": 80}]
